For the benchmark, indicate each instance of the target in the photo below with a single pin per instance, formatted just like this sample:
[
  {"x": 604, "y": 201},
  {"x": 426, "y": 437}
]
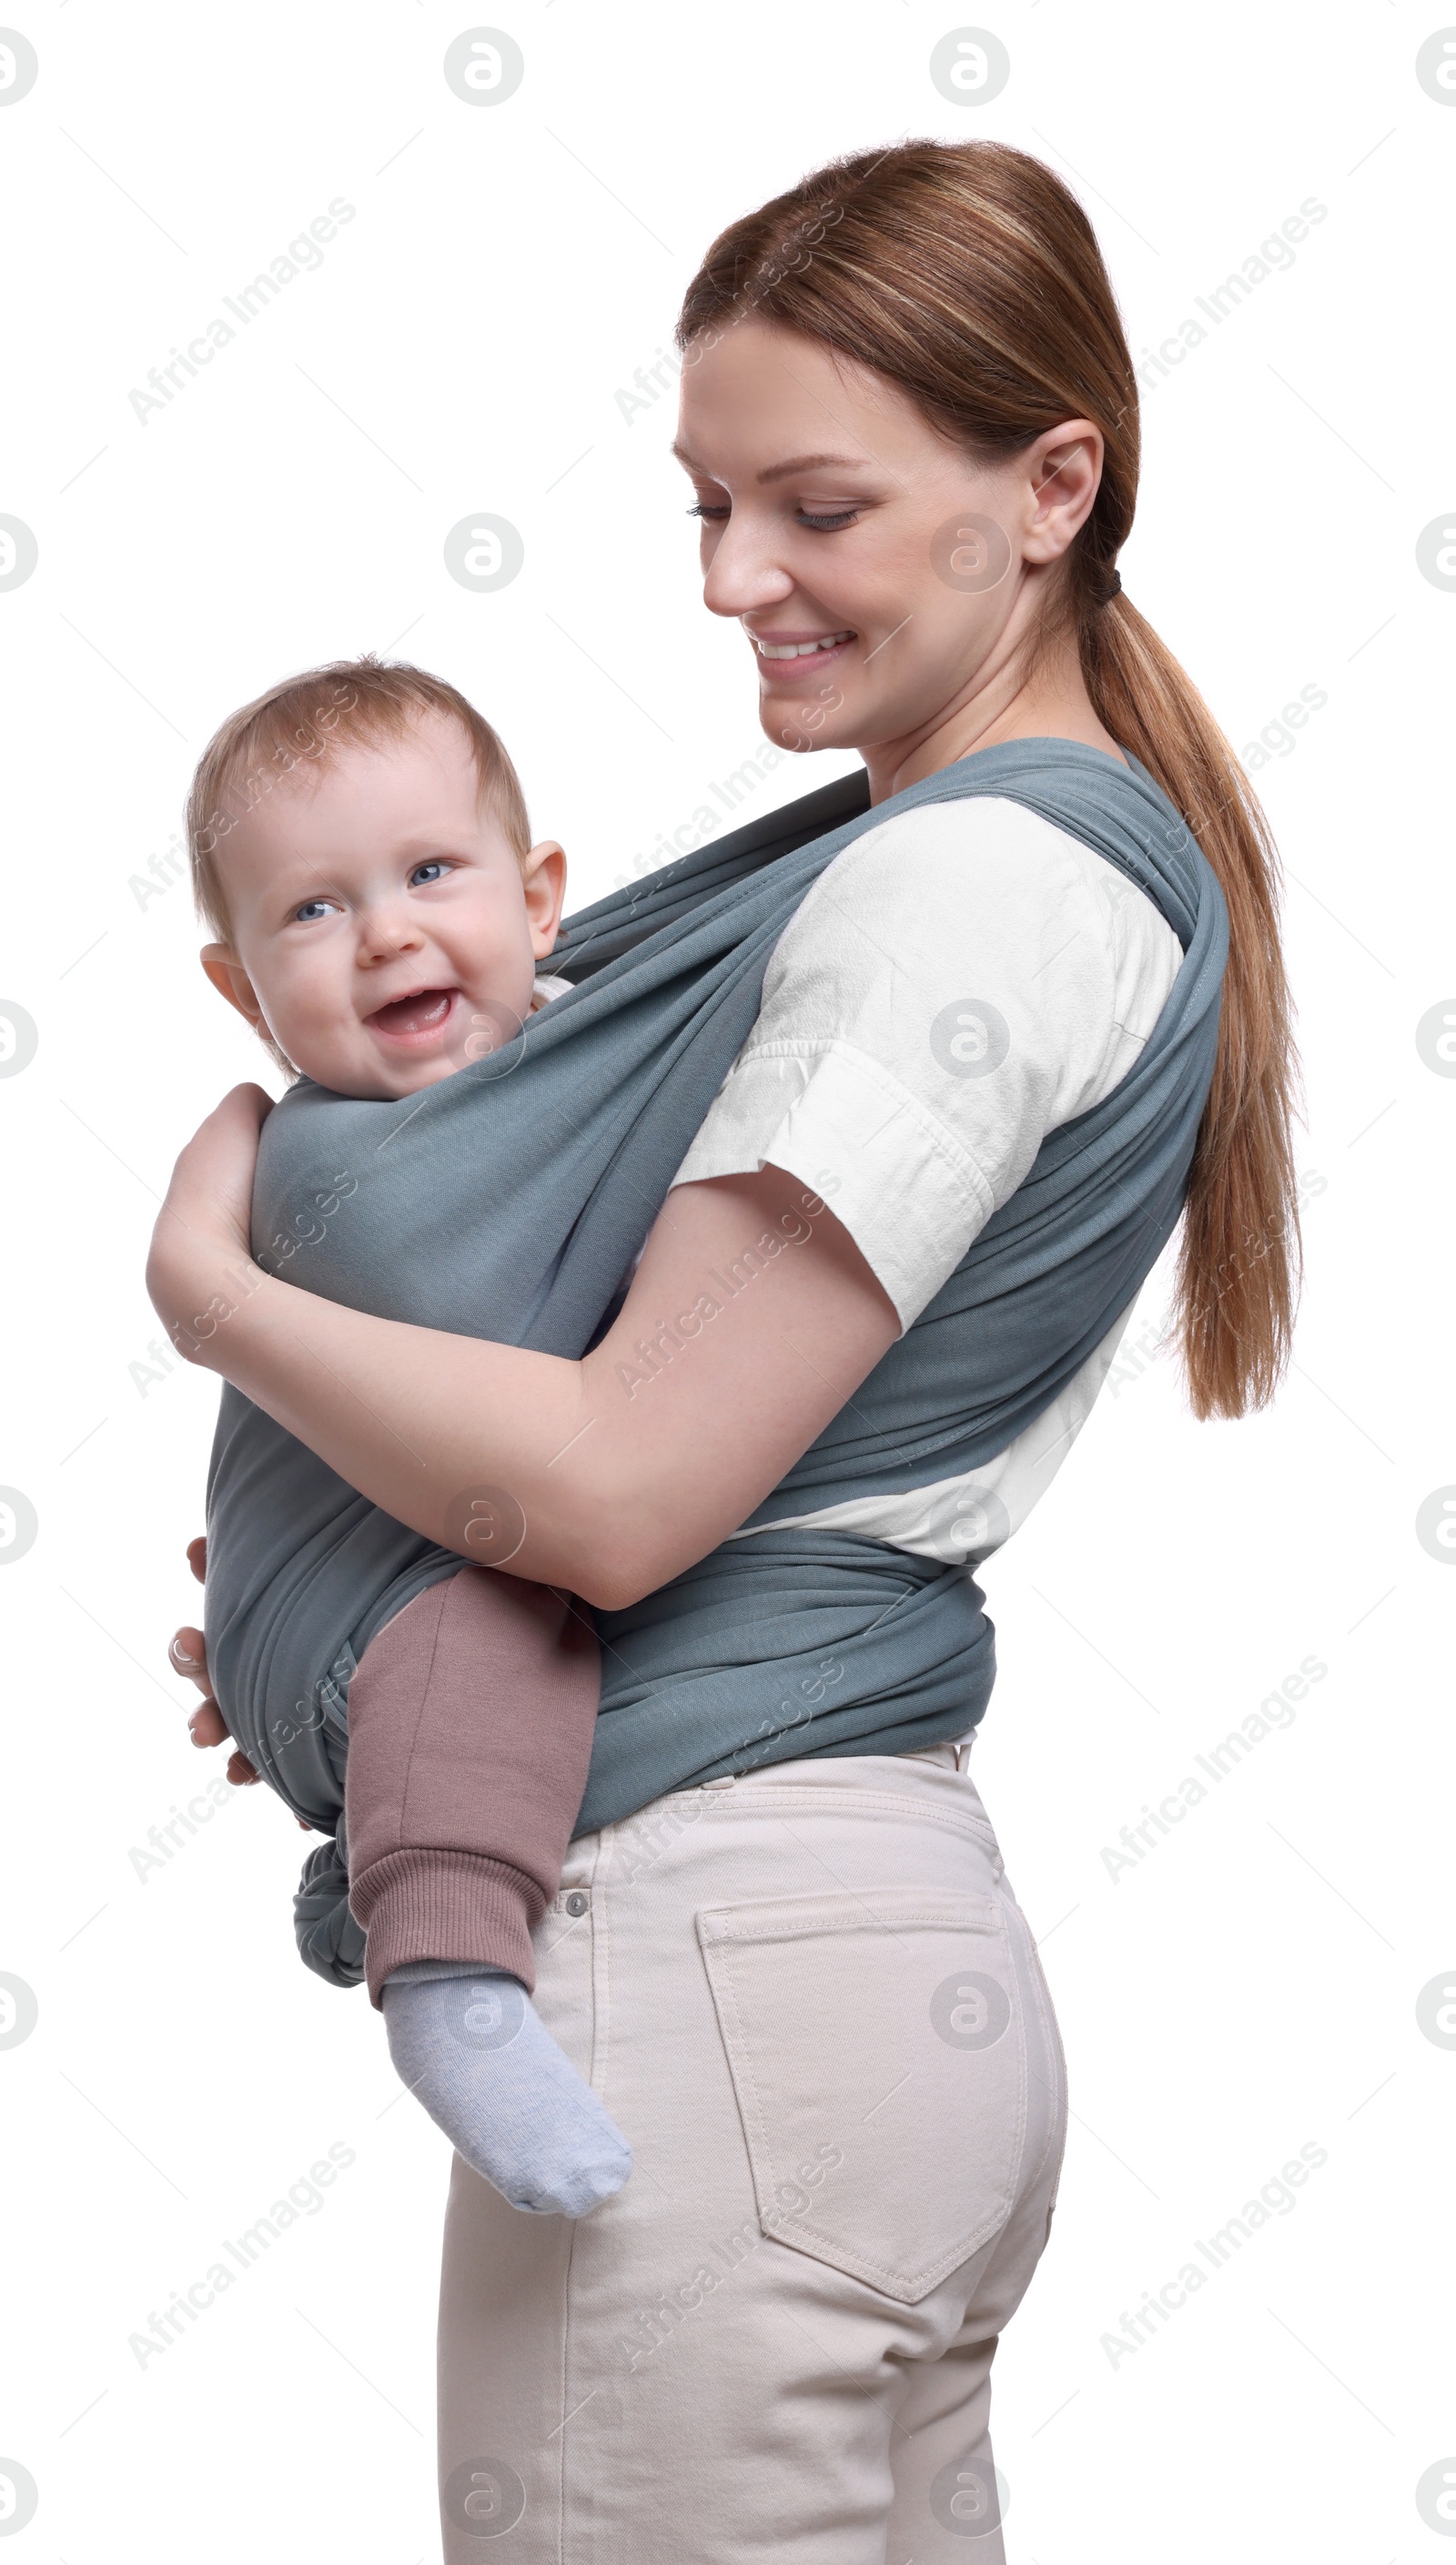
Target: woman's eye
[
  {"x": 432, "y": 871},
  {"x": 828, "y": 524},
  {"x": 710, "y": 514}
]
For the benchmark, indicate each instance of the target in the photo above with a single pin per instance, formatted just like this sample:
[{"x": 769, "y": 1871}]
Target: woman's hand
[
  {"x": 188, "y": 1656},
  {"x": 201, "y": 1263}
]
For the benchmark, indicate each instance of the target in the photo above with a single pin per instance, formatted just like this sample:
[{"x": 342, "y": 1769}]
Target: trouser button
[{"x": 577, "y": 1902}]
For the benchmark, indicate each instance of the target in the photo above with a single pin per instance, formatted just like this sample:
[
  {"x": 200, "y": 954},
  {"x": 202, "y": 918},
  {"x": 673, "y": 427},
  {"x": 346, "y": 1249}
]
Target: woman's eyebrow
[
  {"x": 779, "y": 471},
  {"x": 815, "y": 463}
]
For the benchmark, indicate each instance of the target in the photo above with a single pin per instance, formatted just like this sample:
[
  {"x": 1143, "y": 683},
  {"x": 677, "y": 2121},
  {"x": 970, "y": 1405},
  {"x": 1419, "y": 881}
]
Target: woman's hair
[{"x": 970, "y": 276}]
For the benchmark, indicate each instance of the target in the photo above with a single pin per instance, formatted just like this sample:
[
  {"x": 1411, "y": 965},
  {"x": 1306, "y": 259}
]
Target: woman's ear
[
  {"x": 231, "y": 981},
  {"x": 543, "y": 880},
  {"x": 1064, "y": 470}
]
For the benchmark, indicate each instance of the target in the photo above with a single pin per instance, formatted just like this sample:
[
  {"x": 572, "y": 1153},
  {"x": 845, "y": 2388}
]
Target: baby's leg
[{"x": 470, "y": 1719}]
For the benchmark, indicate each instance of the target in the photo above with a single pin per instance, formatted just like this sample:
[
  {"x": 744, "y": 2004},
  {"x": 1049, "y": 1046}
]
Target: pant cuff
[{"x": 444, "y": 1905}]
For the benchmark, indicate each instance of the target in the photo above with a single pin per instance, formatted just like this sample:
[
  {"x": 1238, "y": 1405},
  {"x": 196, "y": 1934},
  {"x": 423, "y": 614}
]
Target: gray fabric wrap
[{"x": 509, "y": 1200}]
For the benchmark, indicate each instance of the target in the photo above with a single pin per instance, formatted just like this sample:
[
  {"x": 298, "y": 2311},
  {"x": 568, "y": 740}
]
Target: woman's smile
[{"x": 785, "y": 659}]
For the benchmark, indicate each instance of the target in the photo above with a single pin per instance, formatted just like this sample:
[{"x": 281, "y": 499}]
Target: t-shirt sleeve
[{"x": 956, "y": 984}]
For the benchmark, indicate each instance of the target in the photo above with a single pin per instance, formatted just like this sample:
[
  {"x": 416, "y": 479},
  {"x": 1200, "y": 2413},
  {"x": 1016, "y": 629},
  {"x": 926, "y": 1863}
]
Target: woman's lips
[
  {"x": 416, "y": 1020},
  {"x": 784, "y": 675}
]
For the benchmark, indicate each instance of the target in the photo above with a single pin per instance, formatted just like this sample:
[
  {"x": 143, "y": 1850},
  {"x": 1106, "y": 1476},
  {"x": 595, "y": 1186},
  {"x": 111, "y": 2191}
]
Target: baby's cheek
[
  {"x": 310, "y": 1007},
  {"x": 498, "y": 979},
  {"x": 316, "y": 1044}
]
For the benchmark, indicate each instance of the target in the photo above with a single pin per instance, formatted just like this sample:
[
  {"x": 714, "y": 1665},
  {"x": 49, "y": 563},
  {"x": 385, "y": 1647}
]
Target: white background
[{"x": 1249, "y": 1986}]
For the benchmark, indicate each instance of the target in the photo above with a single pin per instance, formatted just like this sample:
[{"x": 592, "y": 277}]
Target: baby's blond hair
[{"x": 301, "y": 722}]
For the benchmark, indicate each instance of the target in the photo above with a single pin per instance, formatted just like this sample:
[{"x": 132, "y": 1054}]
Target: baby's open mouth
[{"x": 424, "y": 1013}]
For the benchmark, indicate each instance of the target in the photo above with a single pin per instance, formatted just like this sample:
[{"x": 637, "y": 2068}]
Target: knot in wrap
[{"x": 330, "y": 1942}]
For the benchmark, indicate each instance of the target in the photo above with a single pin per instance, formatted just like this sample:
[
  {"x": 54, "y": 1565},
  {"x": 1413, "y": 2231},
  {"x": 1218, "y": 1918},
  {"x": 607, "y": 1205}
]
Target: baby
[{"x": 361, "y": 852}]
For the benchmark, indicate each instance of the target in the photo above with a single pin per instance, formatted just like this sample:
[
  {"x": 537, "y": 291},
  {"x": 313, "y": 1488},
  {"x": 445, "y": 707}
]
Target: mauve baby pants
[{"x": 470, "y": 1719}]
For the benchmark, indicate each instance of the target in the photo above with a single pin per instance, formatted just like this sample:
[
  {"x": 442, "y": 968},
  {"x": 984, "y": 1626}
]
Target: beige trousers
[{"x": 810, "y": 2000}]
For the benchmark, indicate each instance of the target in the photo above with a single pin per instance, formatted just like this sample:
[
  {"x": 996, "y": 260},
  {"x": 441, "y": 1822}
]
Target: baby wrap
[{"x": 508, "y": 1201}]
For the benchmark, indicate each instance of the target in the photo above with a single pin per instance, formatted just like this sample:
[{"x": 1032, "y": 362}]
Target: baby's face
[{"x": 377, "y": 909}]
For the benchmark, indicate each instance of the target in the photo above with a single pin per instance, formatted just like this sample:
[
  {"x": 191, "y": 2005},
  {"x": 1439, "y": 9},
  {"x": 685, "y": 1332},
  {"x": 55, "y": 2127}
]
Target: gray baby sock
[{"x": 472, "y": 2047}]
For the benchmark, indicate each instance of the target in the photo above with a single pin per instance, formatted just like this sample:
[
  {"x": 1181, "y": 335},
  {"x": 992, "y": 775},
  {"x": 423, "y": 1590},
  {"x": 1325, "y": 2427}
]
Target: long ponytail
[
  {"x": 1238, "y": 1256},
  {"x": 970, "y": 276}
]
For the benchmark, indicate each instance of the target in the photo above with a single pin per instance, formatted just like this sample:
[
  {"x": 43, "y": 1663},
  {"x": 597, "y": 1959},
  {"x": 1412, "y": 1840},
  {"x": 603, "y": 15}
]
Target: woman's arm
[{"x": 751, "y": 1320}]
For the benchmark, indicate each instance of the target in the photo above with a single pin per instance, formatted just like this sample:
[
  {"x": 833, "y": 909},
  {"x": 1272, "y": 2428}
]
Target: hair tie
[{"x": 1115, "y": 589}]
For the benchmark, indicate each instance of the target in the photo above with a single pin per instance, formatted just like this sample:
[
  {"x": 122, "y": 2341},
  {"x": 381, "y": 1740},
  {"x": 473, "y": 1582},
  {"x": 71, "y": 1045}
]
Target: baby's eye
[
  {"x": 434, "y": 870},
  {"x": 310, "y": 910}
]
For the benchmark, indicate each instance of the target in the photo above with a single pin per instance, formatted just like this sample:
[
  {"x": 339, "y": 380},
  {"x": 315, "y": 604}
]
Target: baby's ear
[
  {"x": 543, "y": 878},
  {"x": 231, "y": 981}
]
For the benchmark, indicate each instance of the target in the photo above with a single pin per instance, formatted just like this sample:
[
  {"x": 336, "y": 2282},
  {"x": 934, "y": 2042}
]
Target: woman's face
[{"x": 882, "y": 578}]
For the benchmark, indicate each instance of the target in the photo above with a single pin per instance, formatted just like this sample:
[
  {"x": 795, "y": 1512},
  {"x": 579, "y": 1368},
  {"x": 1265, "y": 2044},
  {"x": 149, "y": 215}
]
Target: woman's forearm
[
  {"x": 750, "y": 1320},
  {"x": 410, "y": 1417}
]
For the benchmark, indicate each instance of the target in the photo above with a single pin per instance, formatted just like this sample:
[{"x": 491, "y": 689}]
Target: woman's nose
[{"x": 743, "y": 576}]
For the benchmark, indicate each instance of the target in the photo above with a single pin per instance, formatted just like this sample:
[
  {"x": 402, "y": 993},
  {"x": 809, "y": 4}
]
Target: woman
[{"x": 803, "y": 1987}]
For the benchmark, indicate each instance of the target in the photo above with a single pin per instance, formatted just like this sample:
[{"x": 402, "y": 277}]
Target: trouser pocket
[{"x": 878, "y": 2052}]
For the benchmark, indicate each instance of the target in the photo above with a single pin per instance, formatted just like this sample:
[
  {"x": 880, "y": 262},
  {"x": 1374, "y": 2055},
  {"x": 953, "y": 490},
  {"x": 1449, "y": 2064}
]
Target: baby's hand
[{"x": 188, "y": 1655}]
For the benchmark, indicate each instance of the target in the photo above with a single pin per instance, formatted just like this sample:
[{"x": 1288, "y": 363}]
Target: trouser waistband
[{"x": 951, "y": 1750}]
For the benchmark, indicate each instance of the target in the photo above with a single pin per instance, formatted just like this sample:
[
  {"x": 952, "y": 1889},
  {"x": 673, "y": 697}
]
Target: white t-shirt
[
  {"x": 544, "y": 988},
  {"x": 955, "y": 941}
]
